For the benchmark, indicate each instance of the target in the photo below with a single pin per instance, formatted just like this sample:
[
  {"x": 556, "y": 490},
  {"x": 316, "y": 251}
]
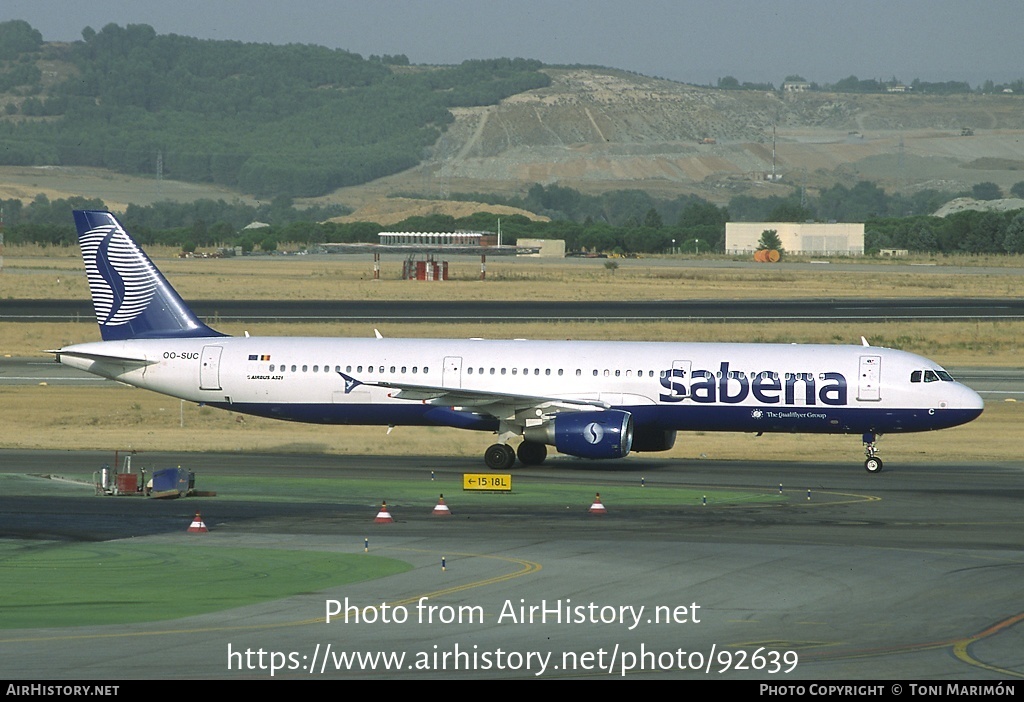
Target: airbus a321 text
[{"x": 591, "y": 399}]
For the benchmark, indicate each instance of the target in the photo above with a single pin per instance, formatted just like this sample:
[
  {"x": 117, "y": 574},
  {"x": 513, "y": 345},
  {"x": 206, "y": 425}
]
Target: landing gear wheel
[
  {"x": 873, "y": 464},
  {"x": 532, "y": 453},
  {"x": 499, "y": 457}
]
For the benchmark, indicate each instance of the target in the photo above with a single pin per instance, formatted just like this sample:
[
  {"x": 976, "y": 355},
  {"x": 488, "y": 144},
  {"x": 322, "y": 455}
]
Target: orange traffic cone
[
  {"x": 441, "y": 510},
  {"x": 597, "y": 507},
  {"x": 197, "y": 526},
  {"x": 383, "y": 516}
]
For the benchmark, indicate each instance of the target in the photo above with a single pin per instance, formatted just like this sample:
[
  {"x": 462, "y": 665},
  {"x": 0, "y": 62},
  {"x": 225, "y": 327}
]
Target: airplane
[{"x": 589, "y": 399}]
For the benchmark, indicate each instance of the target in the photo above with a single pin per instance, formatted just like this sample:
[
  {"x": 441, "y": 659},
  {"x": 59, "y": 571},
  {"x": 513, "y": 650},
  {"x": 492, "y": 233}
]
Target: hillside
[
  {"x": 389, "y": 211},
  {"x": 597, "y": 130}
]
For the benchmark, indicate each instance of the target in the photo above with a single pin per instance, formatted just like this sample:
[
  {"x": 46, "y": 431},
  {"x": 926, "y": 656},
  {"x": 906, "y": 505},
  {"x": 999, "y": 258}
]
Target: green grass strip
[
  {"x": 526, "y": 492},
  {"x": 420, "y": 492},
  {"x": 60, "y": 585}
]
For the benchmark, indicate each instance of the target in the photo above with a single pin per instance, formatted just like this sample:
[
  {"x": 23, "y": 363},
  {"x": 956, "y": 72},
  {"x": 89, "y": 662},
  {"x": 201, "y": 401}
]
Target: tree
[
  {"x": 986, "y": 191},
  {"x": 770, "y": 240},
  {"x": 1017, "y": 189},
  {"x": 16, "y": 37},
  {"x": 1014, "y": 241},
  {"x": 652, "y": 219},
  {"x": 790, "y": 212}
]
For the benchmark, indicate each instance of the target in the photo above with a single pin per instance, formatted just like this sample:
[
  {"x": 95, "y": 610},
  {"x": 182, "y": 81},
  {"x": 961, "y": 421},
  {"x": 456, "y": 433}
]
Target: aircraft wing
[{"x": 463, "y": 397}]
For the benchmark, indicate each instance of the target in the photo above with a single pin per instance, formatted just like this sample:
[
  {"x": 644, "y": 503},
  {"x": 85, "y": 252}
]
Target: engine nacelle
[
  {"x": 653, "y": 439},
  {"x": 587, "y": 434}
]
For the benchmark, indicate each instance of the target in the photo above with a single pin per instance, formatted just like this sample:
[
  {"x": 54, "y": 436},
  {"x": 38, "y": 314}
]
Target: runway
[
  {"x": 415, "y": 311},
  {"x": 909, "y": 575}
]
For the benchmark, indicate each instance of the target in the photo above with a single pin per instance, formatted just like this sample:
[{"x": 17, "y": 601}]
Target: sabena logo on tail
[
  {"x": 131, "y": 298},
  {"x": 121, "y": 279}
]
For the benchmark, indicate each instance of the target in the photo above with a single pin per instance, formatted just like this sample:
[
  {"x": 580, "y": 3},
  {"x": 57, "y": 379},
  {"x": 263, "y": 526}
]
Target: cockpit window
[
  {"x": 930, "y": 376},
  {"x": 915, "y": 377},
  {"x": 943, "y": 375}
]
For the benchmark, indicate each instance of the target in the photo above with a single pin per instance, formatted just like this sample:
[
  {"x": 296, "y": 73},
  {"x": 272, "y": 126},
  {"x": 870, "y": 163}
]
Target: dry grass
[
  {"x": 28, "y": 274},
  {"x": 119, "y": 417}
]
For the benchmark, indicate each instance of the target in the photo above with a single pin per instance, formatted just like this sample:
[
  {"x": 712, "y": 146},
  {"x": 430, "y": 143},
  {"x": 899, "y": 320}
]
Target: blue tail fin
[{"x": 131, "y": 297}]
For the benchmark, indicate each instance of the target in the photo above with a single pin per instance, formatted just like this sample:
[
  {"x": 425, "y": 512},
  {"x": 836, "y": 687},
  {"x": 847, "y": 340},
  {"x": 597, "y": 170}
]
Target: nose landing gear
[{"x": 873, "y": 464}]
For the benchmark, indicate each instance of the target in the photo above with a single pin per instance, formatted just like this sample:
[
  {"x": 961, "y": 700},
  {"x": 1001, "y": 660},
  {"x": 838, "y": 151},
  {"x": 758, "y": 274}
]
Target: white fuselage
[{"x": 684, "y": 386}]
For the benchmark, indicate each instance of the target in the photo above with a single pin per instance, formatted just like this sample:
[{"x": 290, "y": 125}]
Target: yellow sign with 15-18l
[{"x": 486, "y": 481}]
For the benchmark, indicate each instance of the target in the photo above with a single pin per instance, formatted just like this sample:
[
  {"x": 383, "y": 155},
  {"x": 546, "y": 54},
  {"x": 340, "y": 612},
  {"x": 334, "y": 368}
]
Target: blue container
[{"x": 167, "y": 479}]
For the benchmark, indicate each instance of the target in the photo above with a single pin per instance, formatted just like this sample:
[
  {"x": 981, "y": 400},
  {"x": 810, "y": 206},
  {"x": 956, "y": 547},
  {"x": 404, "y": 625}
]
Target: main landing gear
[
  {"x": 873, "y": 464},
  {"x": 503, "y": 456},
  {"x": 499, "y": 457}
]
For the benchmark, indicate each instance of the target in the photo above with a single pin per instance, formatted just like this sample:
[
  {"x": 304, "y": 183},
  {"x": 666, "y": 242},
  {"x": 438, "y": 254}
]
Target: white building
[
  {"x": 833, "y": 239},
  {"x": 546, "y": 248}
]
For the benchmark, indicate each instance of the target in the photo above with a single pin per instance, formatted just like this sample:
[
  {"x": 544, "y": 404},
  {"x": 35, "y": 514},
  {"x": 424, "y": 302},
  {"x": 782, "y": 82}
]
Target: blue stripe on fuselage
[{"x": 801, "y": 419}]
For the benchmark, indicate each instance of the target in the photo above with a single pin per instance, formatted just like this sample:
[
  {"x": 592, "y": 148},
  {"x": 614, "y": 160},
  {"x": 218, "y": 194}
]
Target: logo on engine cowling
[{"x": 593, "y": 433}]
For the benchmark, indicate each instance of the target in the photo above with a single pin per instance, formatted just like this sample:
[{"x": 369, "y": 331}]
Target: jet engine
[
  {"x": 646, "y": 439},
  {"x": 587, "y": 434}
]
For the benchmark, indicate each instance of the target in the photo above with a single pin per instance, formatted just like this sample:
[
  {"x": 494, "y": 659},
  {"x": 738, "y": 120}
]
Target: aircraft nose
[{"x": 970, "y": 400}]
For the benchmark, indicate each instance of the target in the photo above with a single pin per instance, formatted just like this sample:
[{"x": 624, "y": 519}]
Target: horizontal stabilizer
[{"x": 102, "y": 357}]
